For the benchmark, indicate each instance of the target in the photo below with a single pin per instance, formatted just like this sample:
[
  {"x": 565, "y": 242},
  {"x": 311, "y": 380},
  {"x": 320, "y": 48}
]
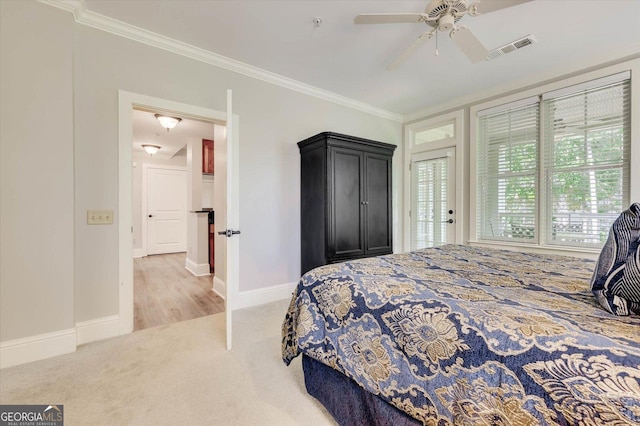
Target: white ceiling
[
  {"x": 350, "y": 60},
  {"x": 147, "y": 130}
]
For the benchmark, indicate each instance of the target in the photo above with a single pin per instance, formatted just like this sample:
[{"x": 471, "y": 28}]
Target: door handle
[{"x": 228, "y": 232}]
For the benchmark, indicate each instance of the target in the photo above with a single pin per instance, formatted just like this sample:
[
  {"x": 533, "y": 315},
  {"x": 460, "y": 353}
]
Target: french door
[{"x": 433, "y": 200}]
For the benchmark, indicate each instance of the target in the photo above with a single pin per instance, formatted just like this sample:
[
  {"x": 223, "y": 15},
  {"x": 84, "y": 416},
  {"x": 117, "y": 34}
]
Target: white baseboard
[
  {"x": 197, "y": 269},
  {"x": 98, "y": 329},
  {"x": 35, "y": 348},
  {"x": 138, "y": 253},
  {"x": 247, "y": 299},
  {"x": 219, "y": 287},
  {"x": 22, "y": 351}
]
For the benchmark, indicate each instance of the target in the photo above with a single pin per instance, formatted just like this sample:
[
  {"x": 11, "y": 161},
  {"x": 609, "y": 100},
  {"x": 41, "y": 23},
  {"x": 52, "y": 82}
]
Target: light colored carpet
[{"x": 175, "y": 374}]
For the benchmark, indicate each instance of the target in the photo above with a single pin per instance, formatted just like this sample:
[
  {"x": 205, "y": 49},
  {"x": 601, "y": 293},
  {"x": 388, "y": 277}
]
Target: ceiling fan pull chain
[{"x": 437, "y": 44}]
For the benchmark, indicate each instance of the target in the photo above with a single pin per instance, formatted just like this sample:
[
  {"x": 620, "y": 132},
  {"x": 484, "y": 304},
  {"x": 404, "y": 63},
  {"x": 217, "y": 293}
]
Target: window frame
[{"x": 539, "y": 91}]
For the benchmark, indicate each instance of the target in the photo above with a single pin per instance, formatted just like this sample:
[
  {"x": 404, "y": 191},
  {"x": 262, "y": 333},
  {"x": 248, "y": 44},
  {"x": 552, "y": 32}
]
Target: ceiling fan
[{"x": 441, "y": 15}]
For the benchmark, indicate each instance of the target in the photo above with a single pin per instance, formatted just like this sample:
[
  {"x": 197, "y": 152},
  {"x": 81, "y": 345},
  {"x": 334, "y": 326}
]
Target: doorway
[
  {"x": 127, "y": 102},
  {"x": 433, "y": 202},
  {"x": 434, "y": 176},
  {"x": 169, "y": 283}
]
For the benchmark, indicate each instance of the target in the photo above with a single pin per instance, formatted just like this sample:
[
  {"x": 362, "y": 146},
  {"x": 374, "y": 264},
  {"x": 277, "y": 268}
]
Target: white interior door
[
  {"x": 166, "y": 210},
  {"x": 233, "y": 215},
  {"x": 229, "y": 227},
  {"x": 433, "y": 200}
]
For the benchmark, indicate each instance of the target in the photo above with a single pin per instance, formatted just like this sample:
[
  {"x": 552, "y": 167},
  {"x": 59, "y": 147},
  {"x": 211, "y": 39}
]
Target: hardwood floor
[{"x": 165, "y": 292}]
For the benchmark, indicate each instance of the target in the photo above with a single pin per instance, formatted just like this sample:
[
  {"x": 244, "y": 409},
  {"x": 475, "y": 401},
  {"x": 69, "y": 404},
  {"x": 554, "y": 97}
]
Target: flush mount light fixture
[
  {"x": 151, "y": 149},
  {"x": 168, "y": 122}
]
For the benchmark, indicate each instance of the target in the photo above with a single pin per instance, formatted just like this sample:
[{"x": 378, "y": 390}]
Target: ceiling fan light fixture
[
  {"x": 151, "y": 149},
  {"x": 446, "y": 23},
  {"x": 168, "y": 122}
]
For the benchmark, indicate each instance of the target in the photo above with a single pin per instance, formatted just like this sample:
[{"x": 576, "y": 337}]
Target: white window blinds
[
  {"x": 429, "y": 209},
  {"x": 507, "y": 167},
  {"x": 562, "y": 185},
  {"x": 587, "y": 135}
]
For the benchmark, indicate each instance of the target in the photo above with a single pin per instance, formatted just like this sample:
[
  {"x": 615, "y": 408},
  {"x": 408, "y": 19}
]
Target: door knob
[
  {"x": 150, "y": 215},
  {"x": 450, "y": 211},
  {"x": 228, "y": 233}
]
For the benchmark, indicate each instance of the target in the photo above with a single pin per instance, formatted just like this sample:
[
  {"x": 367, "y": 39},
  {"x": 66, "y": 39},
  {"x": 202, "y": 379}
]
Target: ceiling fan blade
[
  {"x": 469, "y": 44},
  {"x": 487, "y": 6},
  {"x": 390, "y": 18},
  {"x": 409, "y": 50}
]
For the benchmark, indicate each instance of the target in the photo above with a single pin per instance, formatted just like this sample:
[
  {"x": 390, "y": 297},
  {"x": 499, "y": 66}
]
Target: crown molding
[{"x": 122, "y": 29}]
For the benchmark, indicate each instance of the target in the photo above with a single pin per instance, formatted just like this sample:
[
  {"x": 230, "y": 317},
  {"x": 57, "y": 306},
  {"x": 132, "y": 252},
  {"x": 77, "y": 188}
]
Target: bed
[{"x": 463, "y": 335}]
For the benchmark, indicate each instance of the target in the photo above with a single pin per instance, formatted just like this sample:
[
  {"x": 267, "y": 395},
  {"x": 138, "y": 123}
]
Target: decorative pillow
[{"x": 616, "y": 279}]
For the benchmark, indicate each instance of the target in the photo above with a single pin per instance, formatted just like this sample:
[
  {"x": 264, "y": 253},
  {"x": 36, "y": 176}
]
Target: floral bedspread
[{"x": 470, "y": 336}]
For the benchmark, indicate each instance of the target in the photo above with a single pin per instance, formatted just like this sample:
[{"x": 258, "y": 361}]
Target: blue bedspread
[{"x": 470, "y": 336}]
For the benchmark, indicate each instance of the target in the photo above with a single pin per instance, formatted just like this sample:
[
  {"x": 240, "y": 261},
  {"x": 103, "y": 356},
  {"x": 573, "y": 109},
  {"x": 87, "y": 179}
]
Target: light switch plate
[{"x": 99, "y": 217}]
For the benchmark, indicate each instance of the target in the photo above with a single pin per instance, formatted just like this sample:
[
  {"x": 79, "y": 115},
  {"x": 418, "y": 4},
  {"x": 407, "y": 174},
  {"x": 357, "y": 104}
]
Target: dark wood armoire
[{"x": 345, "y": 199}]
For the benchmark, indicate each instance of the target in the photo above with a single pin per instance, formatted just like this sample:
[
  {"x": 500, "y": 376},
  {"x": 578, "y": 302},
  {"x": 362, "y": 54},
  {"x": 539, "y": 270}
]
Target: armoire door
[
  {"x": 346, "y": 223},
  {"x": 377, "y": 203}
]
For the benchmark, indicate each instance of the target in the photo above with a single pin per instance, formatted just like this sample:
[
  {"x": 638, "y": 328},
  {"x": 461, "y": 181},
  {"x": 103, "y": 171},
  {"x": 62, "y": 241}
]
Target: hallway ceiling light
[
  {"x": 151, "y": 149},
  {"x": 168, "y": 122}
]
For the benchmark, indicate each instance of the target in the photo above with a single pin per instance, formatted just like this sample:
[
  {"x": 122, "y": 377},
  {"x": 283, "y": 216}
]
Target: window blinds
[
  {"x": 581, "y": 157},
  {"x": 587, "y": 136},
  {"x": 429, "y": 210},
  {"x": 507, "y": 167}
]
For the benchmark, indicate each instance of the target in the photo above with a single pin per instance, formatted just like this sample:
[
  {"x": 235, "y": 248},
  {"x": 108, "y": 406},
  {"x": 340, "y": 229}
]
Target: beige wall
[
  {"x": 76, "y": 140},
  {"x": 36, "y": 154},
  {"x": 272, "y": 120}
]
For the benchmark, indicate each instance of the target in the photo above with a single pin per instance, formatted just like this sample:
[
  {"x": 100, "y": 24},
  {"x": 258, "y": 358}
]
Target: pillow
[{"x": 616, "y": 279}]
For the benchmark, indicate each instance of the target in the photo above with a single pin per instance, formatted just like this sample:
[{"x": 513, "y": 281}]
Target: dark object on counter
[{"x": 212, "y": 238}]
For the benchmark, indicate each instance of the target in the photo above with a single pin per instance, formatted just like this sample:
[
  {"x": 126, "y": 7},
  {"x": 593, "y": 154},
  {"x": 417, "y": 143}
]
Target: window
[
  {"x": 434, "y": 134},
  {"x": 508, "y": 170},
  {"x": 554, "y": 169}
]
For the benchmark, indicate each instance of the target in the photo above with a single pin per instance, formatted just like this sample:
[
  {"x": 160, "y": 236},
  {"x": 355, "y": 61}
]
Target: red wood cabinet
[{"x": 207, "y": 156}]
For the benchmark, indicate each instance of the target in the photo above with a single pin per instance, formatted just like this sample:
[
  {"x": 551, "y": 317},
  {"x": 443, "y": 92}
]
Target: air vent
[{"x": 511, "y": 47}]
